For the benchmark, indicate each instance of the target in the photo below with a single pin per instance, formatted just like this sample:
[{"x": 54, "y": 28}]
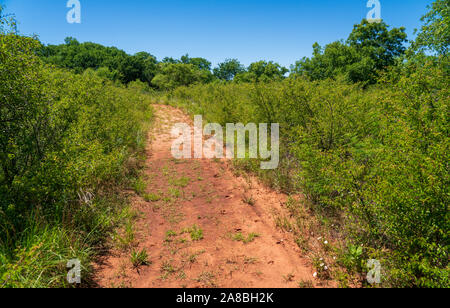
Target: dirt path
[{"x": 209, "y": 228}]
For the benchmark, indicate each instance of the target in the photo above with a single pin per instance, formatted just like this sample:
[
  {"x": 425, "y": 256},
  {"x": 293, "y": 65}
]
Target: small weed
[
  {"x": 249, "y": 200},
  {"x": 207, "y": 278},
  {"x": 139, "y": 258},
  {"x": 165, "y": 171},
  {"x": 167, "y": 269},
  {"x": 239, "y": 237},
  {"x": 305, "y": 284},
  {"x": 284, "y": 224},
  {"x": 302, "y": 243},
  {"x": 181, "y": 276},
  {"x": 343, "y": 279},
  {"x": 125, "y": 240},
  {"x": 180, "y": 182},
  {"x": 193, "y": 257},
  {"x": 170, "y": 235},
  {"x": 289, "y": 278},
  {"x": 323, "y": 271},
  {"x": 250, "y": 260},
  {"x": 174, "y": 192},
  {"x": 195, "y": 232},
  {"x": 152, "y": 197},
  {"x": 156, "y": 207},
  {"x": 177, "y": 161},
  {"x": 352, "y": 258}
]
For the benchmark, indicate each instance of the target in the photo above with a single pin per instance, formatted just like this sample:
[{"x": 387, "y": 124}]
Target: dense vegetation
[
  {"x": 67, "y": 145},
  {"x": 364, "y": 135},
  {"x": 374, "y": 160},
  {"x": 370, "y": 48},
  {"x": 167, "y": 74}
]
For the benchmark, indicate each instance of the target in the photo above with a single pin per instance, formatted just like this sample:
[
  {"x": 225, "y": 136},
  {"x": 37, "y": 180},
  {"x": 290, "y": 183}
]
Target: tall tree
[
  {"x": 172, "y": 75},
  {"x": 376, "y": 41},
  {"x": 201, "y": 63},
  {"x": 434, "y": 35},
  {"x": 119, "y": 65},
  {"x": 228, "y": 69}
]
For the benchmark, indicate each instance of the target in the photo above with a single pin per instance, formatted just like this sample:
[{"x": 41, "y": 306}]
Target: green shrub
[{"x": 66, "y": 145}]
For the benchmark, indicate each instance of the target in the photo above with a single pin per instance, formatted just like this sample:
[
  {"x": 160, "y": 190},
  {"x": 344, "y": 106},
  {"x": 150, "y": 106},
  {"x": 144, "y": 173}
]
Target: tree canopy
[
  {"x": 262, "y": 71},
  {"x": 434, "y": 35},
  {"x": 228, "y": 69},
  {"x": 81, "y": 56},
  {"x": 371, "y": 47},
  {"x": 172, "y": 75}
]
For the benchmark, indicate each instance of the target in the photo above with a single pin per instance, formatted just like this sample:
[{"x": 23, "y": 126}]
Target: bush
[{"x": 65, "y": 143}]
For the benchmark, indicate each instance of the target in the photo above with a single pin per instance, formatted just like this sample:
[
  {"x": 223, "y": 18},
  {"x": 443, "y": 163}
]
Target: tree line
[
  {"x": 369, "y": 50},
  {"x": 364, "y": 136}
]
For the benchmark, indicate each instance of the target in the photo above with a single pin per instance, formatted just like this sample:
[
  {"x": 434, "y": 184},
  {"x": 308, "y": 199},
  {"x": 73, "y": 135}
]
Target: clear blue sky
[{"x": 250, "y": 30}]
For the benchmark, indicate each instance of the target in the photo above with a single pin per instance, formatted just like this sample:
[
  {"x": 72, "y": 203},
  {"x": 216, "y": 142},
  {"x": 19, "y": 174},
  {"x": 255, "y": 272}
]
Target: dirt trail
[{"x": 228, "y": 209}]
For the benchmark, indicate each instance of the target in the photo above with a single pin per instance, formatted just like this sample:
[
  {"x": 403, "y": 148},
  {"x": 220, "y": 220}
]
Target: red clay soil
[{"x": 226, "y": 207}]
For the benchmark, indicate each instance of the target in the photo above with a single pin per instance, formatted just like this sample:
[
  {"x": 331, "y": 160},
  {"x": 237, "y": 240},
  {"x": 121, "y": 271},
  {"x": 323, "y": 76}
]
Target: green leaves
[
  {"x": 375, "y": 157},
  {"x": 228, "y": 69},
  {"x": 262, "y": 71},
  {"x": 435, "y": 33},
  {"x": 370, "y": 48},
  {"x": 376, "y": 41},
  {"x": 61, "y": 133}
]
